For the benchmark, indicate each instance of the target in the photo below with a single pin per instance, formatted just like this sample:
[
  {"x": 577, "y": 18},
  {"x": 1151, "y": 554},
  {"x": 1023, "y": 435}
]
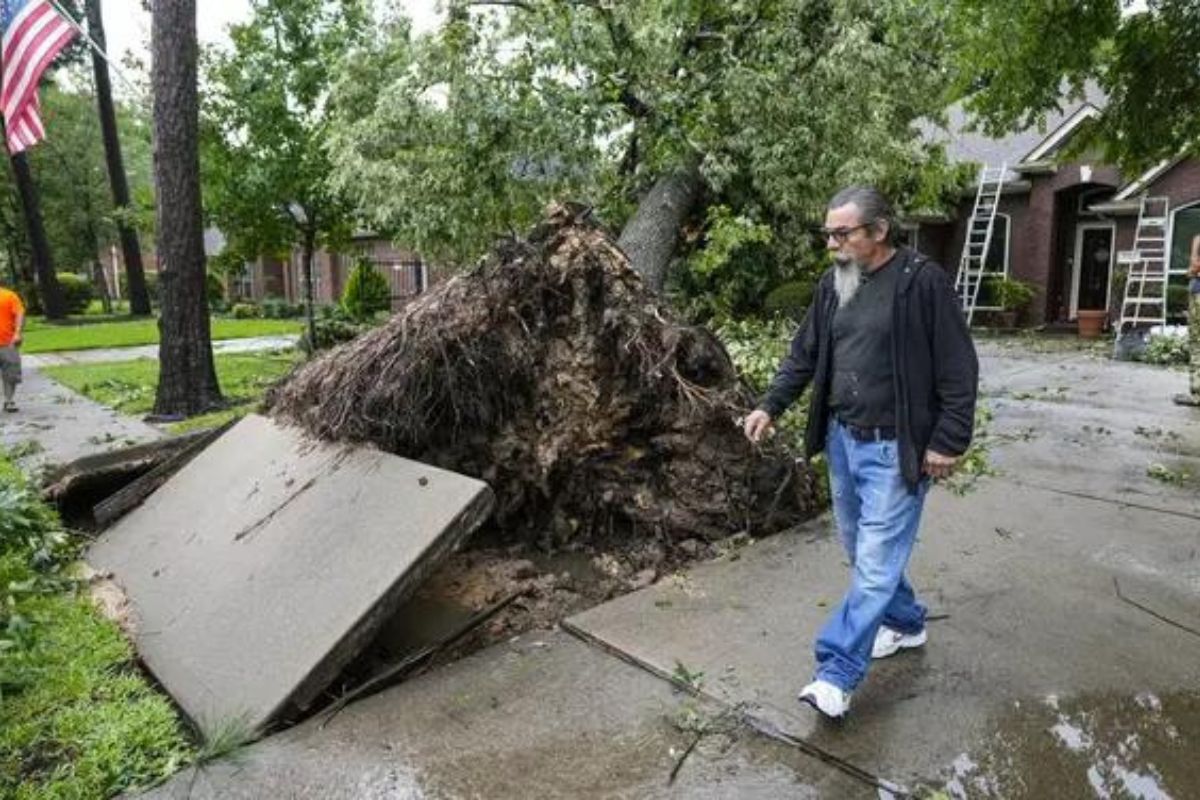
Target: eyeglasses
[{"x": 840, "y": 235}]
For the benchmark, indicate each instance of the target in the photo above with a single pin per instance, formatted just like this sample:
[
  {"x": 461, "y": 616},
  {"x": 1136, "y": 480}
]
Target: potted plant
[{"x": 1013, "y": 297}]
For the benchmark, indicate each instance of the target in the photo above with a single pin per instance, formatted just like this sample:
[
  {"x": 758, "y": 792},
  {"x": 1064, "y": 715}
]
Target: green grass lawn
[
  {"x": 89, "y": 333},
  {"x": 77, "y": 717},
  {"x": 129, "y": 386}
]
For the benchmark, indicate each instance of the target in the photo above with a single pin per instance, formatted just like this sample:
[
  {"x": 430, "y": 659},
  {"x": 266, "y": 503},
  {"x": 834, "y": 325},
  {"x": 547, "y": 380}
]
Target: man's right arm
[{"x": 796, "y": 370}]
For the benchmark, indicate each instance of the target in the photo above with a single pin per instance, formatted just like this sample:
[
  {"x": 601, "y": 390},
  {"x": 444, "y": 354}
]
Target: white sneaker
[
  {"x": 888, "y": 642},
  {"x": 826, "y": 698}
]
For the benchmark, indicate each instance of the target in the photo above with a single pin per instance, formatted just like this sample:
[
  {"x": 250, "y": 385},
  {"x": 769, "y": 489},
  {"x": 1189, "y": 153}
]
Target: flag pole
[{"x": 92, "y": 43}]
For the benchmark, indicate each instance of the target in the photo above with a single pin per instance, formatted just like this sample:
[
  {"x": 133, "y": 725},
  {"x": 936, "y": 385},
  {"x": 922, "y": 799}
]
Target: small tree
[{"x": 367, "y": 292}]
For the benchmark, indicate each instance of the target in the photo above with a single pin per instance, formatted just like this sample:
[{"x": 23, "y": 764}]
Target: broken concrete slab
[
  {"x": 540, "y": 716},
  {"x": 263, "y": 566},
  {"x": 1027, "y": 579}
]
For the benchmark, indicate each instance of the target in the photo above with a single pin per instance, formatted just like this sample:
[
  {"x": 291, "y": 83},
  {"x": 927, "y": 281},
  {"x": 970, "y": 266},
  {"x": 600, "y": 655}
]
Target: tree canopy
[
  {"x": 447, "y": 140},
  {"x": 265, "y": 123},
  {"x": 1016, "y": 61}
]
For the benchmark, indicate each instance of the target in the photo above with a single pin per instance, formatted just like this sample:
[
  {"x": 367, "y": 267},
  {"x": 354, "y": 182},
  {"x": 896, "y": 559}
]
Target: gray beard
[{"x": 847, "y": 278}]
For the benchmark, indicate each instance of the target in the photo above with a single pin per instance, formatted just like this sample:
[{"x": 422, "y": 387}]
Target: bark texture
[
  {"x": 187, "y": 381},
  {"x": 139, "y": 296}
]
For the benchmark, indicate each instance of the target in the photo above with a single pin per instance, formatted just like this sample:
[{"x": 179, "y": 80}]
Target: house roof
[{"x": 1024, "y": 146}]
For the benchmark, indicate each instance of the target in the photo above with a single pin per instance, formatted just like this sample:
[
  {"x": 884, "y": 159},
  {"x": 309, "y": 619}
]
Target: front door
[{"x": 1093, "y": 266}]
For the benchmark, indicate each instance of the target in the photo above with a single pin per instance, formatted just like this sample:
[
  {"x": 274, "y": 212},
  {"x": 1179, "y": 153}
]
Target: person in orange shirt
[{"x": 12, "y": 319}]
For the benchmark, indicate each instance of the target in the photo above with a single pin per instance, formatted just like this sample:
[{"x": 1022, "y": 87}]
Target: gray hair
[{"x": 873, "y": 204}]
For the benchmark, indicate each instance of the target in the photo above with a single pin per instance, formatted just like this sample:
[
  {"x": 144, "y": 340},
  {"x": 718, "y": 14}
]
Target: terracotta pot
[{"x": 1091, "y": 322}]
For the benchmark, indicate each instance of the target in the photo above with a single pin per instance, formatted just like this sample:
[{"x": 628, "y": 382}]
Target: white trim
[
  {"x": 1170, "y": 240},
  {"x": 1145, "y": 179},
  {"x": 1084, "y": 112},
  {"x": 1111, "y": 227}
]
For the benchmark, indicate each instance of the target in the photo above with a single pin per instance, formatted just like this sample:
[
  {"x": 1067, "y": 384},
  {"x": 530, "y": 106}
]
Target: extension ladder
[
  {"x": 978, "y": 239},
  {"x": 1145, "y": 301}
]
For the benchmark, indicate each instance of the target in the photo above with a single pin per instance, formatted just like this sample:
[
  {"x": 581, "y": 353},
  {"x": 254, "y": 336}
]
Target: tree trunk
[
  {"x": 54, "y": 305},
  {"x": 650, "y": 236},
  {"x": 187, "y": 379},
  {"x": 139, "y": 297},
  {"x": 310, "y": 238},
  {"x": 101, "y": 285}
]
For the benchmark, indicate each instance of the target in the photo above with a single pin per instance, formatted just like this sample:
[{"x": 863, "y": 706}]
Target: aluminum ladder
[
  {"x": 978, "y": 238},
  {"x": 1145, "y": 301}
]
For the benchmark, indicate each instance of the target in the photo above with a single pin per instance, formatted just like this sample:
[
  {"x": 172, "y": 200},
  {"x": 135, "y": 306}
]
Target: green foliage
[
  {"x": 214, "y": 290},
  {"x": 367, "y": 292},
  {"x": 1143, "y": 60},
  {"x": 76, "y": 718},
  {"x": 333, "y": 327},
  {"x": 1166, "y": 349},
  {"x": 1177, "y": 301},
  {"x": 1012, "y": 295},
  {"x": 725, "y": 275},
  {"x": 279, "y": 308},
  {"x": 265, "y": 126},
  {"x": 446, "y": 141},
  {"x": 77, "y": 291},
  {"x": 791, "y": 299},
  {"x": 245, "y": 311},
  {"x": 72, "y": 176}
]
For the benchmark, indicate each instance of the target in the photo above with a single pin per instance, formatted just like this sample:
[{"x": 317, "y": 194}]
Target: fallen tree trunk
[
  {"x": 651, "y": 235},
  {"x": 552, "y": 373}
]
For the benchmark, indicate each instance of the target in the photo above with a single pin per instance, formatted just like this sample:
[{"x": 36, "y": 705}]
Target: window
[
  {"x": 996, "y": 262},
  {"x": 1185, "y": 226}
]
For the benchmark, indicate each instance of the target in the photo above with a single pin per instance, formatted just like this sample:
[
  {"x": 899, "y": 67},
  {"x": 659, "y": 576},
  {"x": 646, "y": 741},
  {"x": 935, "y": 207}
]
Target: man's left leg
[
  {"x": 878, "y": 591},
  {"x": 10, "y": 375}
]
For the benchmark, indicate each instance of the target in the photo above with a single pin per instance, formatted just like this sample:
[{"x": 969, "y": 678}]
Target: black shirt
[{"x": 863, "y": 391}]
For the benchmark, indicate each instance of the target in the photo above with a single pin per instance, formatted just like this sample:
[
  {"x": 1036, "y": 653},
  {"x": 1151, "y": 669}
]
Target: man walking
[
  {"x": 12, "y": 319},
  {"x": 894, "y": 376},
  {"x": 1192, "y": 396}
]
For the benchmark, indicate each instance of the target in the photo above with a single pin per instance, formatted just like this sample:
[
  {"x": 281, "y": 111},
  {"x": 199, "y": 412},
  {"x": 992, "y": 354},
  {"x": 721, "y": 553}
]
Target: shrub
[
  {"x": 333, "y": 326},
  {"x": 279, "y": 308},
  {"x": 1166, "y": 349},
  {"x": 77, "y": 291},
  {"x": 367, "y": 292},
  {"x": 1013, "y": 295},
  {"x": 245, "y": 311},
  {"x": 791, "y": 298}
]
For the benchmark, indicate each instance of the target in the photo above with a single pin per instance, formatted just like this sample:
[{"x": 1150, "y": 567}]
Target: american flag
[{"x": 34, "y": 33}]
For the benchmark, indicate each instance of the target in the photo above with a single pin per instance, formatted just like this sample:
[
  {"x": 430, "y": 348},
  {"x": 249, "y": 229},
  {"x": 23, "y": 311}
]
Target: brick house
[
  {"x": 1062, "y": 220},
  {"x": 282, "y": 278},
  {"x": 268, "y": 277}
]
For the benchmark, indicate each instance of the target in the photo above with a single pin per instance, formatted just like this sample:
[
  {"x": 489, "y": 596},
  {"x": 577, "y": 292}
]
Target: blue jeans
[{"x": 877, "y": 518}]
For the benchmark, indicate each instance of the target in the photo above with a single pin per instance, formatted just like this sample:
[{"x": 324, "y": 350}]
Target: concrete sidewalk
[
  {"x": 249, "y": 345},
  {"x": 56, "y": 425},
  {"x": 1067, "y": 665}
]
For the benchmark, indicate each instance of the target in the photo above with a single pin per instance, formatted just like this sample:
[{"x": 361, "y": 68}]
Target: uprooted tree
[
  {"x": 653, "y": 112},
  {"x": 554, "y": 374}
]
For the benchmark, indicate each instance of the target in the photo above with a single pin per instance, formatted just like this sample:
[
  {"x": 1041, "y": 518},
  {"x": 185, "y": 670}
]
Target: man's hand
[
  {"x": 937, "y": 465},
  {"x": 757, "y": 425},
  {"x": 16, "y": 342}
]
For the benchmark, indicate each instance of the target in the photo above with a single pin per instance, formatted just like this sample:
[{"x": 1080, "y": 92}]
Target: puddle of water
[{"x": 1105, "y": 746}]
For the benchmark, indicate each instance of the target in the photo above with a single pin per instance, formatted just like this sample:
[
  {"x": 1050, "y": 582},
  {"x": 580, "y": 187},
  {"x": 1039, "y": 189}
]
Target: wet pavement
[
  {"x": 55, "y": 425},
  {"x": 1064, "y": 660}
]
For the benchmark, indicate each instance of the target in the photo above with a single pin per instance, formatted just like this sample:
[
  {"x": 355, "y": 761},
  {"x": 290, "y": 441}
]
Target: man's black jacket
[{"x": 936, "y": 371}]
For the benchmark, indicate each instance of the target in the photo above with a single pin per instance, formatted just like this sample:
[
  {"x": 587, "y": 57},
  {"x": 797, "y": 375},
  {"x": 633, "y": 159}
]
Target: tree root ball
[{"x": 552, "y": 373}]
